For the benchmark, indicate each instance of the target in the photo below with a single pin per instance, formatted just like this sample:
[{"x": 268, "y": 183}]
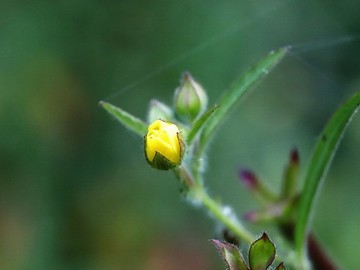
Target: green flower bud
[
  {"x": 158, "y": 110},
  {"x": 190, "y": 98},
  {"x": 163, "y": 146}
]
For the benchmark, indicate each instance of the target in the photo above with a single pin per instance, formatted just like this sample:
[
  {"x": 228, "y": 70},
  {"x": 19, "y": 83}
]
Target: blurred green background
[{"x": 75, "y": 190}]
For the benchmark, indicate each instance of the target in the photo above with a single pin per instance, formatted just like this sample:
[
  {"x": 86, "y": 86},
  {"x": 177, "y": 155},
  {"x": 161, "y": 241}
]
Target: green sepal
[
  {"x": 262, "y": 253},
  {"x": 126, "y": 119},
  {"x": 190, "y": 99},
  {"x": 158, "y": 110},
  {"x": 161, "y": 163},
  {"x": 231, "y": 255}
]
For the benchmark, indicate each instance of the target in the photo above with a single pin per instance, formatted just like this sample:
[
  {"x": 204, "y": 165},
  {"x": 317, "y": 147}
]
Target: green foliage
[
  {"x": 129, "y": 121},
  {"x": 197, "y": 132},
  {"x": 76, "y": 191},
  {"x": 322, "y": 156},
  {"x": 231, "y": 255},
  {"x": 239, "y": 88},
  {"x": 261, "y": 255}
]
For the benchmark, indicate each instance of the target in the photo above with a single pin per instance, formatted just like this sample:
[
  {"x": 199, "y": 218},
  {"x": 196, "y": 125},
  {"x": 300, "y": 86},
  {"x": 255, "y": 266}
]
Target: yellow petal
[{"x": 162, "y": 138}]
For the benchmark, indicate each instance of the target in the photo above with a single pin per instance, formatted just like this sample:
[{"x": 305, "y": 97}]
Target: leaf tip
[
  {"x": 103, "y": 104},
  {"x": 280, "y": 266},
  {"x": 264, "y": 237}
]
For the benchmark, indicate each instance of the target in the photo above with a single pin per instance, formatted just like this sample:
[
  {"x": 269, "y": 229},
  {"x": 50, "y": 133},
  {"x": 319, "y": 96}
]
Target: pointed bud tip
[
  {"x": 158, "y": 110},
  {"x": 153, "y": 102},
  {"x": 294, "y": 156},
  {"x": 281, "y": 266},
  {"x": 264, "y": 236},
  {"x": 102, "y": 103},
  {"x": 248, "y": 178},
  {"x": 186, "y": 75}
]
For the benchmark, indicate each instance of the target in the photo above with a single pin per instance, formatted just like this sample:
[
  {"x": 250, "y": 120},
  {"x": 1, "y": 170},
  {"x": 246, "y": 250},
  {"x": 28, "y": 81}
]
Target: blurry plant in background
[
  {"x": 164, "y": 150},
  {"x": 74, "y": 190}
]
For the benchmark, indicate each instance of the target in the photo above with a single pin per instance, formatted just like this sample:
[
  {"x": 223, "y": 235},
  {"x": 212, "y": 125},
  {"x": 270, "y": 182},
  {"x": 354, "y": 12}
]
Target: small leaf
[
  {"x": 237, "y": 90},
  {"x": 231, "y": 255},
  {"x": 200, "y": 123},
  {"x": 321, "y": 158},
  {"x": 280, "y": 266},
  {"x": 262, "y": 253},
  {"x": 129, "y": 121}
]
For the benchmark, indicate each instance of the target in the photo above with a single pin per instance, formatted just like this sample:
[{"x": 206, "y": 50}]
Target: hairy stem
[
  {"x": 222, "y": 214},
  {"x": 196, "y": 193}
]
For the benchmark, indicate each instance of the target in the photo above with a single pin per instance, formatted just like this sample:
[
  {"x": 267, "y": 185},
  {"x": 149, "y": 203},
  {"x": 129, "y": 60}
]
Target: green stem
[
  {"x": 197, "y": 194},
  {"x": 220, "y": 213}
]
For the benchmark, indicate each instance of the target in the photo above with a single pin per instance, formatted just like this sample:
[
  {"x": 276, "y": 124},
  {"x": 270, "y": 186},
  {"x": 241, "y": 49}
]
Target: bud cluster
[{"x": 163, "y": 143}]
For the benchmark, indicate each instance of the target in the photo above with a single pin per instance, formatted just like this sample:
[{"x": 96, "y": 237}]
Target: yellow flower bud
[{"x": 163, "y": 145}]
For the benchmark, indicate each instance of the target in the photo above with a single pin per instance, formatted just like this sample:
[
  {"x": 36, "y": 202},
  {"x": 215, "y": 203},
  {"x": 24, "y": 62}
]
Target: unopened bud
[
  {"x": 261, "y": 192},
  {"x": 291, "y": 174},
  {"x": 248, "y": 178},
  {"x": 163, "y": 146},
  {"x": 190, "y": 98},
  {"x": 158, "y": 110}
]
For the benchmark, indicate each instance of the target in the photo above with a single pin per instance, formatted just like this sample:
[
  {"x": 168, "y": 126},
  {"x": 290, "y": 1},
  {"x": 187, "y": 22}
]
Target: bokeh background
[{"x": 75, "y": 190}]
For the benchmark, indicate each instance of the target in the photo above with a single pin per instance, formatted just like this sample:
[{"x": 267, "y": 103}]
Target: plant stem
[
  {"x": 197, "y": 194},
  {"x": 318, "y": 257},
  {"x": 221, "y": 214}
]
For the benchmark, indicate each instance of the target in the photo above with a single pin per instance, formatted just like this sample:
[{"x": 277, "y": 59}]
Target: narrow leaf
[
  {"x": 129, "y": 121},
  {"x": 200, "y": 123},
  {"x": 231, "y": 255},
  {"x": 321, "y": 158},
  {"x": 238, "y": 89},
  {"x": 262, "y": 253}
]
